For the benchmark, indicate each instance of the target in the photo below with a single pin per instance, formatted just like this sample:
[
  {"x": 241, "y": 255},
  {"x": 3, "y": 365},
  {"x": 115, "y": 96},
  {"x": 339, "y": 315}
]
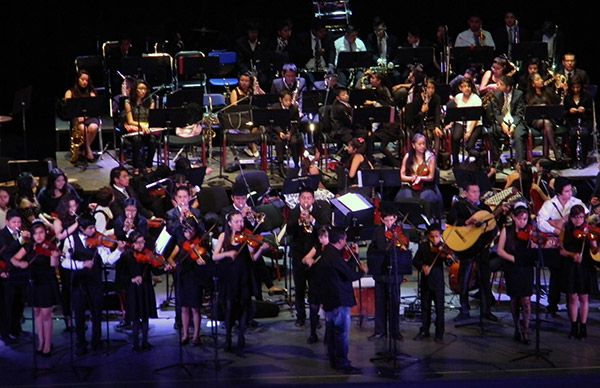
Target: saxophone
[{"x": 77, "y": 140}]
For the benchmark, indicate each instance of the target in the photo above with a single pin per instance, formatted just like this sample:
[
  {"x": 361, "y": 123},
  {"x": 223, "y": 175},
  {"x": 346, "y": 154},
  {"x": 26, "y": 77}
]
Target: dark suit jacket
[
  {"x": 501, "y": 38},
  {"x": 301, "y": 48},
  {"x": 117, "y": 205},
  {"x": 341, "y": 117},
  {"x": 336, "y": 290},
  {"x": 577, "y": 73},
  {"x": 302, "y": 241},
  {"x": 245, "y": 55},
  {"x": 175, "y": 227},
  {"x": 517, "y": 107},
  {"x": 392, "y": 46}
]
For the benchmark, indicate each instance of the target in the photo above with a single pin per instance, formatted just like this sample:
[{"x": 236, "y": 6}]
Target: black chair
[{"x": 258, "y": 181}]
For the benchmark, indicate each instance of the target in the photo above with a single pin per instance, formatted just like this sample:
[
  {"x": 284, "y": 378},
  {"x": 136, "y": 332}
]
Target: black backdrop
[{"x": 40, "y": 43}]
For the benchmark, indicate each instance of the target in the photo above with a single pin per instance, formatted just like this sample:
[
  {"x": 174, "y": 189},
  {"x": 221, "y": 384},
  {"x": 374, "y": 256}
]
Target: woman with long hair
[
  {"x": 357, "y": 160},
  {"x": 57, "y": 185},
  {"x": 540, "y": 94},
  {"x": 137, "y": 109},
  {"x": 84, "y": 127}
]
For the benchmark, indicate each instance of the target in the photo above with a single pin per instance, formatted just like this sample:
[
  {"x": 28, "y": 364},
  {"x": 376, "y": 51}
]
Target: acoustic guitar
[{"x": 461, "y": 238}]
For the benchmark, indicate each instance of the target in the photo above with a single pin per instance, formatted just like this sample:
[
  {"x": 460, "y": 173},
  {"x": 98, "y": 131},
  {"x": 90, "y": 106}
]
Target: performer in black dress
[
  {"x": 41, "y": 257},
  {"x": 311, "y": 260},
  {"x": 140, "y": 263},
  {"x": 579, "y": 269},
  {"x": 429, "y": 259},
  {"x": 234, "y": 257},
  {"x": 513, "y": 246}
]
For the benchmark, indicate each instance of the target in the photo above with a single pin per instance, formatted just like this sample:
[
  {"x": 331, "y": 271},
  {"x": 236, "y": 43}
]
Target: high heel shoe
[
  {"x": 582, "y": 331},
  {"x": 574, "y": 333}
]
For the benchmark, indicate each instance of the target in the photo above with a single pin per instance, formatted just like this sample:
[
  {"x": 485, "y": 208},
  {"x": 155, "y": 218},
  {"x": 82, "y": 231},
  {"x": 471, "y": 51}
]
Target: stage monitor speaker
[{"x": 10, "y": 169}]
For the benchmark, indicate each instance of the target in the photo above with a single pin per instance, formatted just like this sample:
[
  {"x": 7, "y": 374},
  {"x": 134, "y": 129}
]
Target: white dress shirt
[
  {"x": 341, "y": 44},
  {"x": 105, "y": 254},
  {"x": 552, "y": 209},
  {"x": 467, "y": 39}
]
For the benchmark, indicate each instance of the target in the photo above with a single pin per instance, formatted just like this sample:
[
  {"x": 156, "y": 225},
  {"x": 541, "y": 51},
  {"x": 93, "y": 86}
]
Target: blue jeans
[{"x": 338, "y": 336}]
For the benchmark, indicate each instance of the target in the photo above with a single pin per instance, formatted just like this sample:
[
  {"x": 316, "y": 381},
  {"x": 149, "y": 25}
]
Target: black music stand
[
  {"x": 538, "y": 353},
  {"x": 410, "y": 55},
  {"x": 83, "y": 107},
  {"x": 366, "y": 116},
  {"x": 157, "y": 69},
  {"x": 264, "y": 100},
  {"x": 354, "y": 59},
  {"x": 472, "y": 113},
  {"x": 359, "y": 96},
  {"x": 270, "y": 118},
  {"x": 479, "y": 176},
  {"x": 464, "y": 56},
  {"x": 183, "y": 97},
  {"x": 167, "y": 118},
  {"x": 313, "y": 100},
  {"x": 544, "y": 112},
  {"x": 195, "y": 67},
  {"x": 21, "y": 104},
  {"x": 526, "y": 50},
  {"x": 292, "y": 185}
]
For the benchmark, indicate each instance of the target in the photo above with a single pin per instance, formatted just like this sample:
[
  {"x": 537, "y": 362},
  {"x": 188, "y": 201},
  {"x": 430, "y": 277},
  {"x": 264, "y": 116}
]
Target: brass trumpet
[
  {"x": 305, "y": 221},
  {"x": 255, "y": 217}
]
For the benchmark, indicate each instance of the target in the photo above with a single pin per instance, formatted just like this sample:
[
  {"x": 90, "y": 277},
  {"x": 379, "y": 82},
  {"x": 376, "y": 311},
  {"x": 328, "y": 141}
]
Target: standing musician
[
  {"x": 290, "y": 136},
  {"x": 461, "y": 215},
  {"x": 16, "y": 280},
  {"x": 551, "y": 219},
  {"x": 509, "y": 113},
  {"x": 514, "y": 247},
  {"x": 84, "y": 128},
  {"x": 239, "y": 199},
  {"x": 84, "y": 256},
  {"x": 182, "y": 215},
  {"x": 311, "y": 260},
  {"x": 577, "y": 241},
  {"x": 338, "y": 298},
  {"x": 41, "y": 258},
  {"x": 303, "y": 222},
  {"x": 234, "y": 257},
  {"x": 386, "y": 239},
  {"x": 429, "y": 259},
  {"x": 140, "y": 264},
  {"x": 137, "y": 109},
  {"x": 418, "y": 173}
]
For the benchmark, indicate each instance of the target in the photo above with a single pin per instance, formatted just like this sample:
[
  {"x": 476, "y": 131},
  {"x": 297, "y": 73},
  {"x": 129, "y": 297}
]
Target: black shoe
[
  {"x": 313, "y": 339},
  {"x": 376, "y": 336},
  {"x": 421, "y": 336},
  {"x": 517, "y": 335},
  {"x": 351, "y": 370},
  {"x": 574, "y": 333},
  {"x": 462, "y": 316},
  {"x": 146, "y": 346},
  {"x": 491, "y": 317},
  {"x": 241, "y": 343},
  {"x": 299, "y": 322},
  {"x": 582, "y": 331},
  {"x": 46, "y": 355},
  {"x": 439, "y": 339}
]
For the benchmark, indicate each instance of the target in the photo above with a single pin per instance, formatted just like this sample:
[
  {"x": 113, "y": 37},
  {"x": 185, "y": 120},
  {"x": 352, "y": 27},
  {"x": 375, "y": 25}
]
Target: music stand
[
  {"x": 264, "y": 100},
  {"x": 410, "y": 55},
  {"x": 21, "y": 104},
  {"x": 526, "y": 50},
  {"x": 196, "y": 176},
  {"x": 82, "y": 107},
  {"x": 168, "y": 118},
  {"x": 463, "y": 115},
  {"x": 183, "y": 97},
  {"x": 354, "y": 59},
  {"x": 195, "y": 67},
  {"x": 157, "y": 68},
  {"x": 479, "y": 176},
  {"x": 292, "y": 185},
  {"x": 544, "y": 112},
  {"x": 313, "y": 100},
  {"x": 463, "y": 56},
  {"x": 359, "y": 96}
]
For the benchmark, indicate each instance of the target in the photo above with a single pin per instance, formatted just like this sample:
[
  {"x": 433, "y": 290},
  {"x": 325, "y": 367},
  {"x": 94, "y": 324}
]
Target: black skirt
[
  {"x": 45, "y": 294},
  {"x": 519, "y": 281}
]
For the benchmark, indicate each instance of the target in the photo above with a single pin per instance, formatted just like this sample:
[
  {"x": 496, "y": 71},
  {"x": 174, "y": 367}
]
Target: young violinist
[
  {"x": 41, "y": 258},
  {"x": 194, "y": 272},
  {"x": 386, "y": 238},
  {"x": 311, "y": 260},
  {"x": 418, "y": 174},
  {"x": 234, "y": 257},
  {"x": 84, "y": 255},
  {"x": 577, "y": 241},
  {"x": 140, "y": 263},
  {"x": 429, "y": 259},
  {"x": 513, "y": 246}
]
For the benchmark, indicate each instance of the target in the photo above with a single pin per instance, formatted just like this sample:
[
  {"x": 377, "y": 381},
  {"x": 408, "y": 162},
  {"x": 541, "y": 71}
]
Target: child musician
[
  {"x": 580, "y": 272},
  {"x": 41, "y": 258},
  {"x": 429, "y": 259},
  {"x": 139, "y": 265},
  {"x": 84, "y": 256}
]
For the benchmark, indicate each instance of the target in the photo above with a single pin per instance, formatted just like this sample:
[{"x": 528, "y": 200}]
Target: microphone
[{"x": 158, "y": 182}]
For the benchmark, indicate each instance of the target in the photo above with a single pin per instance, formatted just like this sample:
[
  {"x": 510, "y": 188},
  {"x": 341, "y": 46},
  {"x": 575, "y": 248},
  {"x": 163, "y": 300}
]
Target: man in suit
[
  {"x": 302, "y": 226},
  {"x": 509, "y": 34},
  {"x": 177, "y": 217},
  {"x": 341, "y": 117},
  {"x": 475, "y": 35},
  {"x": 570, "y": 70},
  {"x": 383, "y": 45},
  {"x": 312, "y": 50},
  {"x": 290, "y": 82},
  {"x": 509, "y": 114},
  {"x": 119, "y": 182},
  {"x": 554, "y": 38}
]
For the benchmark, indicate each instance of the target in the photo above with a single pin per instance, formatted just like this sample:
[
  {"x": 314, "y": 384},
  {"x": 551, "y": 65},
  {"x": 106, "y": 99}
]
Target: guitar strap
[{"x": 558, "y": 210}]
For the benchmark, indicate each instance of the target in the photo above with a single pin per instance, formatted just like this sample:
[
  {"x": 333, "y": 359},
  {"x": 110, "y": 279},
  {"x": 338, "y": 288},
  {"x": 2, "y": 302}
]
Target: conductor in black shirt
[{"x": 337, "y": 297}]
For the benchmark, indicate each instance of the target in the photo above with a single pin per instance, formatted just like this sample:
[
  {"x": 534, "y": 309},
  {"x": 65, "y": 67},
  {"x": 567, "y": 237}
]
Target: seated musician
[
  {"x": 473, "y": 129},
  {"x": 418, "y": 174},
  {"x": 379, "y": 254},
  {"x": 357, "y": 161},
  {"x": 429, "y": 259},
  {"x": 489, "y": 80},
  {"x": 427, "y": 115},
  {"x": 120, "y": 184},
  {"x": 461, "y": 214},
  {"x": 578, "y": 117},
  {"x": 137, "y": 109},
  {"x": 84, "y": 128},
  {"x": 290, "y": 136},
  {"x": 509, "y": 113},
  {"x": 57, "y": 185},
  {"x": 551, "y": 219},
  {"x": 341, "y": 117},
  {"x": 290, "y": 82},
  {"x": 242, "y": 95},
  {"x": 540, "y": 94},
  {"x": 348, "y": 42},
  {"x": 474, "y": 36}
]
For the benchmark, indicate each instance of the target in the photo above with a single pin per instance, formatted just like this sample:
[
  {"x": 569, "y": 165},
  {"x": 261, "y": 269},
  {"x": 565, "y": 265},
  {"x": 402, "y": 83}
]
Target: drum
[{"x": 365, "y": 294}]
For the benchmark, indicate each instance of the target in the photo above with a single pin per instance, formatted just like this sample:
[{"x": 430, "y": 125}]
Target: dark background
[{"x": 40, "y": 42}]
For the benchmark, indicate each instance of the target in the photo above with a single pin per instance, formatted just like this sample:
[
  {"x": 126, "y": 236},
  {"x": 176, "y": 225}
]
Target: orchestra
[{"x": 56, "y": 246}]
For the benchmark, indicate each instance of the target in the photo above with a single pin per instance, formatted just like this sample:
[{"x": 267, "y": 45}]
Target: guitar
[{"x": 461, "y": 238}]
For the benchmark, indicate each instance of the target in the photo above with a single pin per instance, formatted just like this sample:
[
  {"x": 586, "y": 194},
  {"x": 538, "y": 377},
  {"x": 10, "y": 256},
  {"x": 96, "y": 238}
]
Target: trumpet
[
  {"x": 305, "y": 221},
  {"x": 254, "y": 217}
]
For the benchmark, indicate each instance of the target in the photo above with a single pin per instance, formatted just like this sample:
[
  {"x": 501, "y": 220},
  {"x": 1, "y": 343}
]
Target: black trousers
[
  {"x": 458, "y": 132},
  {"x": 15, "y": 295},
  {"x": 482, "y": 280},
  {"x": 87, "y": 296},
  {"x": 387, "y": 307},
  {"x": 300, "y": 280},
  {"x": 137, "y": 143},
  {"x": 432, "y": 290}
]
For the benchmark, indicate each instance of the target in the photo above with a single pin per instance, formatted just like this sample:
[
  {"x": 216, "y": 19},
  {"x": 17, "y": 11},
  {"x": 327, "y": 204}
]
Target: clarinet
[{"x": 578, "y": 146}]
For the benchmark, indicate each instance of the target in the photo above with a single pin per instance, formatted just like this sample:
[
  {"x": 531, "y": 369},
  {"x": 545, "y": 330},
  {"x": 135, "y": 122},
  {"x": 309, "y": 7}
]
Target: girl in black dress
[
  {"x": 357, "y": 160},
  {"x": 312, "y": 259},
  {"x": 234, "y": 257},
  {"x": 41, "y": 257},
  {"x": 579, "y": 269},
  {"x": 140, "y": 264},
  {"x": 518, "y": 269}
]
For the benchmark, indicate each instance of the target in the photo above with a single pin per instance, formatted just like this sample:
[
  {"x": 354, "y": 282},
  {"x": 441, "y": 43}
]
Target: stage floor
[{"x": 277, "y": 353}]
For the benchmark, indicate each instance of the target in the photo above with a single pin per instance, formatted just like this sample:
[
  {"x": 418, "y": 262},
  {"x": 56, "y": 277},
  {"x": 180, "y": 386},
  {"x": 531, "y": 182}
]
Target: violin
[
  {"x": 526, "y": 233},
  {"x": 586, "y": 233},
  {"x": 100, "y": 240},
  {"x": 442, "y": 250},
  {"x": 397, "y": 237},
  {"x": 247, "y": 237},
  {"x": 45, "y": 248},
  {"x": 422, "y": 170},
  {"x": 148, "y": 257},
  {"x": 194, "y": 249}
]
